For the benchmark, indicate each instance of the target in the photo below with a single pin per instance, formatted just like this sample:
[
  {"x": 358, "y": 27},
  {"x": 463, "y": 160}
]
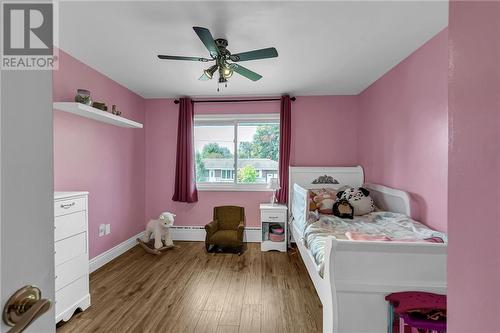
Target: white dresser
[{"x": 71, "y": 253}]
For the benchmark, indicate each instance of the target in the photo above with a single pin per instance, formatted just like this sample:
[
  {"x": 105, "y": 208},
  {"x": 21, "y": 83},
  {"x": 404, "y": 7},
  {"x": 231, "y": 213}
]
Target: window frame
[{"x": 234, "y": 120}]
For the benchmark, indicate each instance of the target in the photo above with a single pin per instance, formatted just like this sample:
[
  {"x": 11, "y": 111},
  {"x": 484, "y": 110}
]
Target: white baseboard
[
  {"x": 179, "y": 233},
  {"x": 197, "y": 234},
  {"x": 105, "y": 257}
]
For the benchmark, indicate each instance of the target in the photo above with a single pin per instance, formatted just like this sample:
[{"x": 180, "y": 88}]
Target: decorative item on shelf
[
  {"x": 100, "y": 105},
  {"x": 273, "y": 185},
  {"x": 115, "y": 111},
  {"x": 83, "y": 96}
]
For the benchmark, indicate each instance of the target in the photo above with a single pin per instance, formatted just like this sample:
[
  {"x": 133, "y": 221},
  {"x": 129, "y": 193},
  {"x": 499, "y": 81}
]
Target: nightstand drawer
[{"x": 273, "y": 216}]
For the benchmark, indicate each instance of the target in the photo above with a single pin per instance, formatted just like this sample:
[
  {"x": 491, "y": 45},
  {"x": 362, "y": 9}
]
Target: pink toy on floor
[{"x": 415, "y": 309}]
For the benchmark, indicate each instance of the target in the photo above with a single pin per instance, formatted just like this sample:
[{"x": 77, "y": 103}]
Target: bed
[{"x": 356, "y": 275}]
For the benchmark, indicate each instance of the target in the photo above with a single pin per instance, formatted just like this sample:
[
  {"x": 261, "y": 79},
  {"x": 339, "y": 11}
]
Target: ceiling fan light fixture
[
  {"x": 210, "y": 71},
  {"x": 227, "y": 72}
]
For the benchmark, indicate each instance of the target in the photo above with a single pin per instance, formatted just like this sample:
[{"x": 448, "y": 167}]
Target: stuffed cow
[{"x": 359, "y": 198}]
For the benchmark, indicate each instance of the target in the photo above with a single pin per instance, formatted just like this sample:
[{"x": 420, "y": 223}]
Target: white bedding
[{"x": 393, "y": 226}]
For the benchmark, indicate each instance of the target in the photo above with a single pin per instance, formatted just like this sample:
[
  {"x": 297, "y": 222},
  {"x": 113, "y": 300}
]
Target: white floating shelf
[{"x": 90, "y": 112}]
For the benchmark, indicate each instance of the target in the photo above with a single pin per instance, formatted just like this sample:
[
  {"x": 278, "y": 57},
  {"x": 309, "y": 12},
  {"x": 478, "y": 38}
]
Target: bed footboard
[{"x": 361, "y": 274}]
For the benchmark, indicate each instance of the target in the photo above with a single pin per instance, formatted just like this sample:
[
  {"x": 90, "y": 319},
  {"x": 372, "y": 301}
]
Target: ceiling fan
[{"x": 221, "y": 55}]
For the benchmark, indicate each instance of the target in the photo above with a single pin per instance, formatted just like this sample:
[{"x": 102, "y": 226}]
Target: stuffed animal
[
  {"x": 160, "y": 229},
  {"x": 359, "y": 198},
  {"x": 343, "y": 209},
  {"x": 324, "y": 200}
]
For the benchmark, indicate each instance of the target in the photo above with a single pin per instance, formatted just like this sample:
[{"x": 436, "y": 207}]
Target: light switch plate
[
  {"x": 102, "y": 230},
  {"x": 108, "y": 229}
]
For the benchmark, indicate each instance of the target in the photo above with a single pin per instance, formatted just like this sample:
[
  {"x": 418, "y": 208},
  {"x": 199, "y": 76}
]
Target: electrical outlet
[
  {"x": 108, "y": 229},
  {"x": 102, "y": 230}
]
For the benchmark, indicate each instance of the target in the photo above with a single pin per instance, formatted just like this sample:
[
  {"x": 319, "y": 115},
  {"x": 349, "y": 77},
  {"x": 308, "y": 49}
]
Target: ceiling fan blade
[
  {"x": 204, "y": 77},
  {"x": 208, "y": 40},
  {"x": 169, "y": 57},
  {"x": 246, "y": 72},
  {"x": 270, "y": 52}
]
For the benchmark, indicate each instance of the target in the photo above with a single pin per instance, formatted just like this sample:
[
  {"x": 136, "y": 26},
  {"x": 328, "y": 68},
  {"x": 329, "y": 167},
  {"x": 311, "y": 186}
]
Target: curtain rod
[{"x": 236, "y": 100}]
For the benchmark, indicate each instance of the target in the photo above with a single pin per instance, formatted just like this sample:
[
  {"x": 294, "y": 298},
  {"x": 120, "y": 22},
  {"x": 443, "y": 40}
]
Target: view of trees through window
[{"x": 256, "y": 156}]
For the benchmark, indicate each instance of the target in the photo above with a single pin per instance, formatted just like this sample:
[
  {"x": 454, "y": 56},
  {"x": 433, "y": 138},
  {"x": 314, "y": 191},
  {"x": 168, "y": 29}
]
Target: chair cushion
[
  {"x": 228, "y": 217},
  {"x": 225, "y": 237}
]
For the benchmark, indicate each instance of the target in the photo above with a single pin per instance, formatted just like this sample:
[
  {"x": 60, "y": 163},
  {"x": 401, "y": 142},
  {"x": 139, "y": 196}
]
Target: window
[{"x": 236, "y": 152}]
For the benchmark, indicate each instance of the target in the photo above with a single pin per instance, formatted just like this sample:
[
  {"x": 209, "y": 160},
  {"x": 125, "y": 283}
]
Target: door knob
[{"x": 22, "y": 308}]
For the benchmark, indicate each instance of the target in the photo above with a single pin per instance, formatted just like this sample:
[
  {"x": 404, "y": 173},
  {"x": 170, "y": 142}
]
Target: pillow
[
  {"x": 322, "y": 200},
  {"x": 359, "y": 198}
]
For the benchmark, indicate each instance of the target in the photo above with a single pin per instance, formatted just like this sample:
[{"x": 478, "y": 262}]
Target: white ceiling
[{"x": 325, "y": 48}]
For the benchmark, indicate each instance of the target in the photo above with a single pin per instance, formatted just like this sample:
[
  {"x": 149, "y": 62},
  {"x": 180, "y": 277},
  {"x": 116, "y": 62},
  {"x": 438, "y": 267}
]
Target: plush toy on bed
[
  {"x": 359, "y": 198},
  {"x": 160, "y": 229},
  {"x": 343, "y": 209},
  {"x": 323, "y": 200}
]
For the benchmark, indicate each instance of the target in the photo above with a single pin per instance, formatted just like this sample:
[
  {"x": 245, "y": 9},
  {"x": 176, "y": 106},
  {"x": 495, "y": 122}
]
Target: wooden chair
[{"x": 226, "y": 229}]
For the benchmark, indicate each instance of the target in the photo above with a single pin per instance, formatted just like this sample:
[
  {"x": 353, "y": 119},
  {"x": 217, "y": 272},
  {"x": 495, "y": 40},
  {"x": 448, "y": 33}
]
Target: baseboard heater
[{"x": 197, "y": 233}]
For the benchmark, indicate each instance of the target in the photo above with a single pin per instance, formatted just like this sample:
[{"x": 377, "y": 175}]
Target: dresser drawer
[
  {"x": 69, "y": 225},
  {"x": 273, "y": 216},
  {"x": 71, "y": 294},
  {"x": 68, "y": 206},
  {"x": 71, "y": 247},
  {"x": 71, "y": 270}
]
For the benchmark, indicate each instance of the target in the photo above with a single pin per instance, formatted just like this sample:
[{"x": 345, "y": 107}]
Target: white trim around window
[{"x": 221, "y": 187}]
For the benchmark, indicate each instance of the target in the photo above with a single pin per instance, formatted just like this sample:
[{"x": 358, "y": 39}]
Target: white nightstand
[{"x": 269, "y": 215}]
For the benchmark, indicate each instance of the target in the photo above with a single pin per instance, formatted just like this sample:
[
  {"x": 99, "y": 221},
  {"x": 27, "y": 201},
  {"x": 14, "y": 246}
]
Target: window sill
[{"x": 233, "y": 187}]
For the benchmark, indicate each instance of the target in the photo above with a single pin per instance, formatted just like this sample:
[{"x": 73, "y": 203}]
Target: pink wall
[
  {"x": 403, "y": 132},
  {"x": 325, "y": 131},
  {"x": 313, "y": 122},
  {"x": 474, "y": 166},
  {"x": 106, "y": 160}
]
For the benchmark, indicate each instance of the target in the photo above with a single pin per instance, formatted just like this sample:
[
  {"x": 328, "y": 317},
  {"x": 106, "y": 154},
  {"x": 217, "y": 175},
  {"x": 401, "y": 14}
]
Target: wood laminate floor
[{"x": 189, "y": 290}]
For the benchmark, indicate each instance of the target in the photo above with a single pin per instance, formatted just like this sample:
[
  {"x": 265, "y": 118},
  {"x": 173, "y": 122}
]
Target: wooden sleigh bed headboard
[{"x": 385, "y": 198}]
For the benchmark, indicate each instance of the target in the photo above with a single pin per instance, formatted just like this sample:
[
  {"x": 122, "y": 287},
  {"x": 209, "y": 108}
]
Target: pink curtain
[
  {"x": 185, "y": 184},
  {"x": 285, "y": 141}
]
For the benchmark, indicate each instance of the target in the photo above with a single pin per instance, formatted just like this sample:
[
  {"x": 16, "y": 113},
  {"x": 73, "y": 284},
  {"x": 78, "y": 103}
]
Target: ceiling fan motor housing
[
  {"x": 223, "y": 51},
  {"x": 221, "y": 42}
]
